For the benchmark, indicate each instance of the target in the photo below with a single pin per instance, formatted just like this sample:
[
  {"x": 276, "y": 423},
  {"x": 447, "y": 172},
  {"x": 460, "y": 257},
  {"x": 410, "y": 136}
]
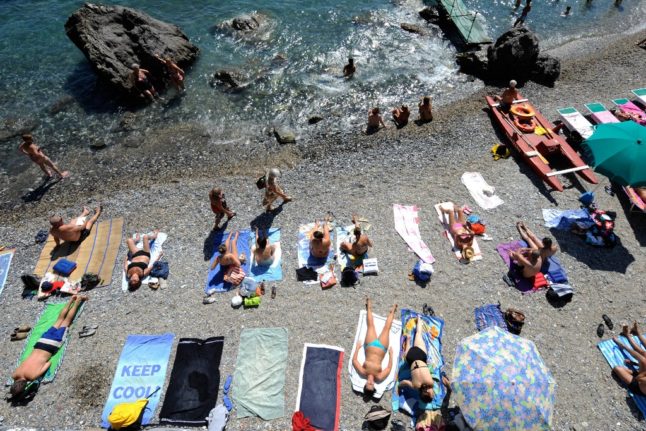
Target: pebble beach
[{"x": 160, "y": 178}]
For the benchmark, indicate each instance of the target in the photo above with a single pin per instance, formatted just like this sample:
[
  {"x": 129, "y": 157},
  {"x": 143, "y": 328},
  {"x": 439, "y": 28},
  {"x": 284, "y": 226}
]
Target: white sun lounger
[
  {"x": 576, "y": 122},
  {"x": 600, "y": 114},
  {"x": 640, "y": 94}
]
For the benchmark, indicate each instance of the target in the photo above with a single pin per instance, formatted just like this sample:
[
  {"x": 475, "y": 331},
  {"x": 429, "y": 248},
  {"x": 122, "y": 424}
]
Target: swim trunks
[
  {"x": 633, "y": 386},
  {"x": 51, "y": 340},
  {"x": 84, "y": 234}
]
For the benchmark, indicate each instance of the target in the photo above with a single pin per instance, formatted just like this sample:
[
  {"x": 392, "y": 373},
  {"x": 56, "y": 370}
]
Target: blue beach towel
[
  {"x": 489, "y": 315},
  {"x": 5, "y": 263},
  {"x": 140, "y": 371},
  {"x": 274, "y": 272},
  {"x": 215, "y": 279},
  {"x": 615, "y": 357},
  {"x": 305, "y": 259},
  {"x": 408, "y": 399}
]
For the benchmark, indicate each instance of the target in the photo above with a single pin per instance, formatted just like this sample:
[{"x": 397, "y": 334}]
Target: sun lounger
[
  {"x": 576, "y": 122},
  {"x": 600, "y": 114},
  {"x": 630, "y": 108},
  {"x": 444, "y": 220},
  {"x": 358, "y": 381},
  {"x": 635, "y": 200},
  {"x": 640, "y": 94},
  {"x": 155, "y": 253}
]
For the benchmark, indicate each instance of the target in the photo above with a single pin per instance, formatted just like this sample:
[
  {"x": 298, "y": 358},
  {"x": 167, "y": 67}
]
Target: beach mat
[
  {"x": 259, "y": 377},
  {"x": 45, "y": 320},
  {"x": 444, "y": 220},
  {"x": 407, "y": 399},
  {"x": 476, "y": 184},
  {"x": 489, "y": 315},
  {"x": 346, "y": 234},
  {"x": 274, "y": 272},
  {"x": 96, "y": 254},
  {"x": 615, "y": 357},
  {"x": 305, "y": 259},
  {"x": 155, "y": 252},
  {"x": 215, "y": 279},
  {"x": 140, "y": 371},
  {"x": 5, "y": 263},
  {"x": 407, "y": 226},
  {"x": 319, "y": 386},
  {"x": 358, "y": 381},
  {"x": 194, "y": 382}
]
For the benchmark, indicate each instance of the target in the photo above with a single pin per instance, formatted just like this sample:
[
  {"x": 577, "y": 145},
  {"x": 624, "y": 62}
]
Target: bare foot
[
  {"x": 625, "y": 331},
  {"x": 368, "y": 304},
  {"x": 65, "y": 174},
  {"x": 233, "y": 214},
  {"x": 287, "y": 199},
  {"x": 635, "y": 328},
  {"x": 393, "y": 308},
  {"x": 83, "y": 297},
  {"x": 85, "y": 212},
  {"x": 98, "y": 209},
  {"x": 154, "y": 235}
]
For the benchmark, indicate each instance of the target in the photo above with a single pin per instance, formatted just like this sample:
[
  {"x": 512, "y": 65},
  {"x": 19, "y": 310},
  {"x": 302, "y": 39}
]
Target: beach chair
[
  {"x": 600, "y": 114},
  {"x": 635, "y": 200},
  {"x": 576, "y": 122},
  {"x": 627, "y": 106},
  {"x": 640, "y": 94}
]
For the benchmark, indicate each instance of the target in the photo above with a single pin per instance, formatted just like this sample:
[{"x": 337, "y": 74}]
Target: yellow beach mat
[{"x": 96, "y": 254}]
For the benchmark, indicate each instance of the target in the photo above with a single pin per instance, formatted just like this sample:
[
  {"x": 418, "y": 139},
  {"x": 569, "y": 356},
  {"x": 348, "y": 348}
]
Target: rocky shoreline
[{"x": 160, "y": 178}]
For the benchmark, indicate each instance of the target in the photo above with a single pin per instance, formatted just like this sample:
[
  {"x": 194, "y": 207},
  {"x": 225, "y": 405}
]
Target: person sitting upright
[
  {"x": 634, "y": 379},
  {"x": 140, "y": 79},
  {"x": 545, "y": 246},
  {"x": 263, "y": 252},
  {"x": 508, "y": 96},
  {"x": 361, "y": 242},
  {"x": 350, "y": 68},
  {"x": 375, "y": 348},
  {"x": 38, "y": 361},
  {"x": 320, "y": 239},
  {"x": 230, "y": 261},
  {"x": 374, "y": 121},
  {"x": 462, "y": 235},
  {"x": 77, "y": 229},
  {"x": 400, "y": 116},
  {"x": 425, "y": 110},
  {"x": 528, "y": 260},
  {"x": 137, "y": 261}
]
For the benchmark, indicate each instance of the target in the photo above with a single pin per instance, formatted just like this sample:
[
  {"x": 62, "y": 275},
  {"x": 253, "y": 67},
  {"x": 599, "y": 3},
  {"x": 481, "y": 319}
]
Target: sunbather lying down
[
  {"x": 37, "y": 363},
  {"x": 230, "y": 261},
  {"x": 544, "y": 246},
  {"x": 634, "y": 379},
  {"x": 375, "y": 350},
  {"x": 137, "y": 261},
  {"x": 462, "y": 235}
]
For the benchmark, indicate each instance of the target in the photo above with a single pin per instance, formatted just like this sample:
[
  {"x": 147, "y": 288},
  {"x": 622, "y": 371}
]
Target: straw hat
[{"x": 468, "y": 253}]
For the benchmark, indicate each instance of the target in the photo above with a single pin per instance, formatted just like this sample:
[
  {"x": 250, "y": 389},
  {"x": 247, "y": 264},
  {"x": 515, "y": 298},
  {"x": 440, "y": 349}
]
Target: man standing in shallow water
[
  {"x": 35, "y": 153},
  {"x": 349, "y": 68}
]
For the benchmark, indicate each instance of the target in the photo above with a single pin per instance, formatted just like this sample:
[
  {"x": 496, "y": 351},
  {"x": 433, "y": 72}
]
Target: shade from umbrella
[
  {"x": 501, "y": 383},
  {"x": 618, "y": 151}
]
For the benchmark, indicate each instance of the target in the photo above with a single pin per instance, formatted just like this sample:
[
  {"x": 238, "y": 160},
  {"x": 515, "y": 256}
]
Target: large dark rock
[
  {"x": 430, "y": 14},
  {"x": 114, "y": 37},
  {"x": 546, "y": 70},
  {"x": 253, "y": 25},
  {"x": 513, "y": 55},
  {"x": 475, "y": 62},
  {"x": 229, "y": 78},
  {"x": 413, "y": 28}
]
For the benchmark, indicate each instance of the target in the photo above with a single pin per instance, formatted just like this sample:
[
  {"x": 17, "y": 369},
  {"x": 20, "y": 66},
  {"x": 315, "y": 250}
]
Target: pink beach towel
[
  {"x": 631, "y": 108},
  {"x": 407, "y": 225}
]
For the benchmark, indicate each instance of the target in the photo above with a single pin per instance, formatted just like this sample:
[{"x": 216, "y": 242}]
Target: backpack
[
  {"x": 499, "y": 151},
  {"x": 261, "y": 182},
  {"x": 515, "y": 320},
  {"x": 422, "y": 272},
  {"x": 377, "y": 418},
  {"x": 31, "y": 282},
  {"x": 89, "y": 281},
  {"x": 349, "y": 277}
]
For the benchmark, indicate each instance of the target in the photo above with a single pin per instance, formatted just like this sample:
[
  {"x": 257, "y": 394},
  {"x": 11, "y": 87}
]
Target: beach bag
[
  {"x": 127, "y": 415},
  {"x": 515, "y": 320},
  {"x": 377, "y": 418},
  {"x": 89, "y": 281},
  {"x": 422, "y": 271},
  {"x": 261, "y": 182},
  {"x": 328, "y": 280},
  {"x": 349, "y": 277}
]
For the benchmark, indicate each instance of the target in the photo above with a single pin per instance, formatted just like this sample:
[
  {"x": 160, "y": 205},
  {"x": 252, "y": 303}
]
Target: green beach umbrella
[{"x": 618, "y": 151}]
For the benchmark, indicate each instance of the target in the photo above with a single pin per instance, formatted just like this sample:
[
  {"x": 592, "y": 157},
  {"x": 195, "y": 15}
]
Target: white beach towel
[
  {"x": 407, "y": 226},
  {"x": 575, "y": 121},
  {"x": 358, "y": 382},
  {"x": 444, "y": 219},
  {"x": 155, "y": 252},
  {"x": 481, "y": 192}
]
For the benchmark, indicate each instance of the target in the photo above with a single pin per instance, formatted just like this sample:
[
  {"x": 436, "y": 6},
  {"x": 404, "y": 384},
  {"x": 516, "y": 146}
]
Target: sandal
[
  {"x": 227, "y": 402},
  {"x": 600, "y": 330},
  {"x": 86, "y": 327},
  {"x": 87, "y": 333},
  {"x": 273, "y": 292},
  {"x": 608, "y": 321},
  {"x": 22, "y": 328},
  {"x": 19, "y": 336}
]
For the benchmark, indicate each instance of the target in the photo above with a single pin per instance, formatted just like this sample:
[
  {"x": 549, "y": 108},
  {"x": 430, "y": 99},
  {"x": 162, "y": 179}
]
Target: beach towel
[
  {"x": 273, "y": 272},
  {"x": 155, "y": 253},
  {"x": 319, "y": 386},
  {"x": 346, "y": 234},
  {"x": 194, "y": 382},
  {"x": 215, "y": 279},
  {"x": 615, "y": 357},
  {"x": 564, "y": 219},
  {"x": 630, "y": 108},
  {"x": 407, "y": 226},
  {"x": 480, "y": 190},
  {"x": 5, "y": 263},
  {"x": 95, "y": 254},
  {"x": 635, "y": 200},
  {"x": 489, "y": 315},
  {"x": 444, "y": 220},
  {"x": 358, "y": 381},
  {"x": 140, "y": 371},
  {"x": 305, "y": 259},
  {"x": 259, "y": 377},
  {"x": 45, "y": 321},
  {"x": 407, "y": 400}
]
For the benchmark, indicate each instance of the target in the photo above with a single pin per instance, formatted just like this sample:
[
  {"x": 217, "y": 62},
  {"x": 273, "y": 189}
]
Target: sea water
[{"x": 295, "y": 66}]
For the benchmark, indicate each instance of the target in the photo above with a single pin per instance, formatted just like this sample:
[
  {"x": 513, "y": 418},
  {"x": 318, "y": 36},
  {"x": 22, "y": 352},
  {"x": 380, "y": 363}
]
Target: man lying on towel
[
  {"x": 229, "y": 260},
  {"x": 361, "y": 242},
  {"x": 320, "y": 239},
  {"x": 77, "y": 229},
  {"x": 37, "y": 363},
  {"x": 544, "y": 246},
  {"x": 375, "y": 350},
  {"x": 635, "y": 380}
]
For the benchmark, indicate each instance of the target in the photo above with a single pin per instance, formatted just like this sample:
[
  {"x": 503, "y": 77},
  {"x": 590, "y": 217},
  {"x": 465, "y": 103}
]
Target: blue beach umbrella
[{"x": 501, "y": 383}]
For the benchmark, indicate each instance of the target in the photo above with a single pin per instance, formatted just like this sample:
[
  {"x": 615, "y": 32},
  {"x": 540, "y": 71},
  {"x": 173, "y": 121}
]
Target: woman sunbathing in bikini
[
  {"x": 230, "y": 261},
  {"x": 137, "y": 261},
  {"x": 263, "y": 252},
  {"x": 462, "y": 236},
  {"x": 635, "y": 379},
  {"x": 375, "y": 349}
]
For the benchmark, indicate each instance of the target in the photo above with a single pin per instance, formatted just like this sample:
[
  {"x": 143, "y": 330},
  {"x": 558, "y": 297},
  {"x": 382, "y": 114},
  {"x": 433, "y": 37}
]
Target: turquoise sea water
[{"x": 39, "y": 66}]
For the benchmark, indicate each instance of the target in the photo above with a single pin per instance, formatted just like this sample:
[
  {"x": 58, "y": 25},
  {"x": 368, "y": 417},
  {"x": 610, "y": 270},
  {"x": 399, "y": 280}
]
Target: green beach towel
[
  {"x": 45, "y": 321},
  {"x": 259, "y": 377}
]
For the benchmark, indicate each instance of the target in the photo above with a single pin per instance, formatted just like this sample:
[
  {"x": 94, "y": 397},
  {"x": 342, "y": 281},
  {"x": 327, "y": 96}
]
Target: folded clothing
[{"x": 64, "y": 267}]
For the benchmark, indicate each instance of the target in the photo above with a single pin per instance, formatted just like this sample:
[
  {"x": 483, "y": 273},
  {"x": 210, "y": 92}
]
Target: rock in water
[
  {"x": 284, "y": 135},
  {"x": 114, "y": 37},
  {"x": 430, "y": 14},
  {"x": 233, "y": 79},
  {"x": 513, "y": 55},
  {"x": 246, "y": 22},
  {"x": 413, "y": 28}
]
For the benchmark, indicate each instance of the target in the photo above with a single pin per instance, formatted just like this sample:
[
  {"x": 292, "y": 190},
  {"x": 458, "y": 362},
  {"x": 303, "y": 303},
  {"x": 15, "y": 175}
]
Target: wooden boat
[{"x": 537, "y": 149}]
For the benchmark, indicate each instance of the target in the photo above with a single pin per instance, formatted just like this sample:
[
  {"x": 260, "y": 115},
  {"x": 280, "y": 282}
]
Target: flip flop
[
  {"x": 90, "y": 327},
  {"x": 22, "y": 328},
  {"x": 608, "y": 321},
  {"x": 227, "y": 402},
  {"x": 600, "y": 330},
  {"x": 87, "y": 333},
  {"x": 19, "y": 336},
  {"x": 227, "y": 384},
  {"x": 273, "y": 292}
]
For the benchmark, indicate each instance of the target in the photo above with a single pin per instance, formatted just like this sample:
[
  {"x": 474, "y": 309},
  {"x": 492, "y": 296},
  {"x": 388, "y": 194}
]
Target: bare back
[
  {"x": 34, "y": 366},
  {"x": 67, "y": 232}
]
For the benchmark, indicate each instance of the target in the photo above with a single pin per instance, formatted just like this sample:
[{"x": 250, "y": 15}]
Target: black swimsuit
[
  {"x": 415, "y": 354},
  {"x": 143, "y": 84},
  {"x": 141, "y": 265}
]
